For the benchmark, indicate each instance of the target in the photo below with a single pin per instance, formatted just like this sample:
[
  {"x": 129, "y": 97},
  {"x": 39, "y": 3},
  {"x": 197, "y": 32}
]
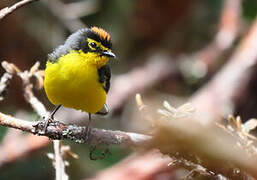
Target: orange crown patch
[{"x": 102, "y": 33}]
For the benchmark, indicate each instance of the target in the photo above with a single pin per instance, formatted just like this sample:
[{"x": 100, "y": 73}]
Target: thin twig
[
  {"x": 7, "y": 76},
  {"x": 26, "y": 76},
  {"x": 193, "y": 167},
  {"x": 4, "y": 82},
  {"x": 8, "y": 10},
  {"x": 60, "y": 173}
]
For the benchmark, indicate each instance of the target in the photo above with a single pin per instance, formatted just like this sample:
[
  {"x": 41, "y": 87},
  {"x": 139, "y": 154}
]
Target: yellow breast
[{"x": 73, "y": 82}]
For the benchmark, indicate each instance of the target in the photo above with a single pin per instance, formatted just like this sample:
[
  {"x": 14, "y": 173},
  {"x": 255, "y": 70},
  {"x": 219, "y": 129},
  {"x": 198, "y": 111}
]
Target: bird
[{"x": 77, "y": 74}]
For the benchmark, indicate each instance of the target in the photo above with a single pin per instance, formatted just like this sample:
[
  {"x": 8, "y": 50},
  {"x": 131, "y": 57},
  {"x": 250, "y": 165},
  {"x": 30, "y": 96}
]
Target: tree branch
[
  {"x": 137, "y": 80},
  {"x": 59, "y": 10},
  {"x": 8, "y": 10},
  {"x": 58, "y": 130},
  {"x": 60, "y": 173},
  {"x": 4, "y": 82},
  {"x": 228, "y": 31},
  {"x": 204, "y": 60},
  {"x": 216, "y": 99}
]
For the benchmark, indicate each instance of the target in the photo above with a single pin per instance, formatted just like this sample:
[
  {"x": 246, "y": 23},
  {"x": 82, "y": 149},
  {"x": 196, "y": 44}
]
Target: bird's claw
[
  {"x": 47, "y": 120},
  {"x": 88, "y": 133}
]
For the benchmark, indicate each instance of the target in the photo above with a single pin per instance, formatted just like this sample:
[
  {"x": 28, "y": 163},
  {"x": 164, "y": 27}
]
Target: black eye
[{"x": 93, "y": 45}]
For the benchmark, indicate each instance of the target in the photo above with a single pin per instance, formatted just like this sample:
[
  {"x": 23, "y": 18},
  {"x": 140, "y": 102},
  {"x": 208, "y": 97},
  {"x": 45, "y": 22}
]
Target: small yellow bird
[{"x": 76, "y": 74}]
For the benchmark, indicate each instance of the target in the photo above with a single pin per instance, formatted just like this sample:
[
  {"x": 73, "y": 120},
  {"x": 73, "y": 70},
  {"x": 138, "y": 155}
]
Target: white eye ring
[{"x": 93, "y": 45}]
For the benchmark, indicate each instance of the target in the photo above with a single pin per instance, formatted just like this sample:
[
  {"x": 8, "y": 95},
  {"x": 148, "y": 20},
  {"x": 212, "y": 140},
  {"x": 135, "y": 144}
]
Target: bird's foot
[
  {"x": 47, "y": 120},
  {"x": 88, "y": 129},
  {"x": 88, "y": 133}
]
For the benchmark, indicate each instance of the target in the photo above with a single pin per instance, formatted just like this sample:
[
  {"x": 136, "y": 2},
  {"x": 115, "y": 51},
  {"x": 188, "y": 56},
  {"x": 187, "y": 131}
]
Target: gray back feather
[{"x": 72, "y": 43}]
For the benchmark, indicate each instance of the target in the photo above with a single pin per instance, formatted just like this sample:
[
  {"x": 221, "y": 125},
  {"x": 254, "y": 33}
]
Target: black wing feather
[{"x": 105, "y": 76}]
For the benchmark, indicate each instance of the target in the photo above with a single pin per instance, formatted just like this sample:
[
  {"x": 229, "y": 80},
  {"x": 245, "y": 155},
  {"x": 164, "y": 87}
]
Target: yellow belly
[{"x": 73, "y": 83}]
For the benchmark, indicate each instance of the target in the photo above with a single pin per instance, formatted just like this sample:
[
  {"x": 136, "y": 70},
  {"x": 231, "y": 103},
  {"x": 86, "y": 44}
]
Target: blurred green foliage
[
  {"x": 34, "y": 168},
  {"x": 3, "y": 131},
  {"x": 249, "y": 9}
]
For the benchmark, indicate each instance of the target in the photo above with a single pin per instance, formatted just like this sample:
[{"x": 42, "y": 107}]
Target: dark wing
[
  {"x": 104, "y": 77},
  {"x": 104, "y": 74}
]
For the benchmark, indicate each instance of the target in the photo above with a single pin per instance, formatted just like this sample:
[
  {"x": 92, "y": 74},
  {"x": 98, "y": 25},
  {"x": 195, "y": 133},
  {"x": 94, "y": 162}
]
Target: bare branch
[
  {"x": 25, "y": 76},
  {"x": 33, "y": 144},
  {"x": 228, "y": 31},
  {"x": 60, "y": 173},
  {"x": 228, "y": 82},
  {"x": 137, "y": 80},
  {"x": 204, "y": 60},
  {"x": 58, "y": 130},
  {"x": 59, "y": 10},
  {"x": 5, "y": 79},
  {"x": 8, "y": 10},
  {"x": 10, "y": 121},
  {"x": 76, "y": 10},
  {"x": 4, "y": 82}
]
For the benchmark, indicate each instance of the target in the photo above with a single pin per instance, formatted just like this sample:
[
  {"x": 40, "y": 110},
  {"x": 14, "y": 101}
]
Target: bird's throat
[{"x": 94, "y": 58}]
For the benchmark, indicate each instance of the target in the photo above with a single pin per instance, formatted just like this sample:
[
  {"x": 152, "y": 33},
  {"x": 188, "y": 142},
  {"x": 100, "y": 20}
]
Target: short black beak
[{"x": 108, "y": 54}]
